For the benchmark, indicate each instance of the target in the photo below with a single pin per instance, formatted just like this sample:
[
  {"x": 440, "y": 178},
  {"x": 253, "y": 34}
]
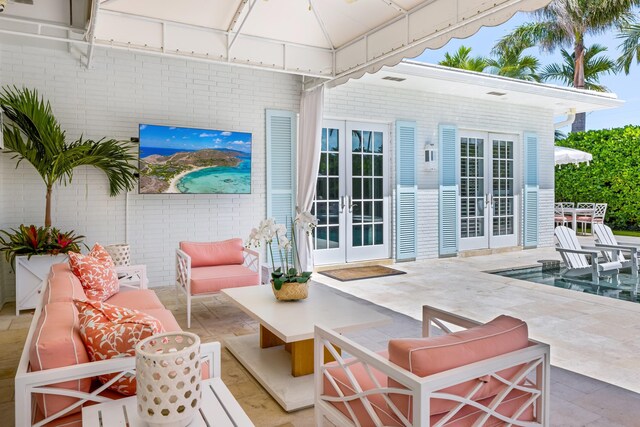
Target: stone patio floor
[{"x": 590, "y": 336}]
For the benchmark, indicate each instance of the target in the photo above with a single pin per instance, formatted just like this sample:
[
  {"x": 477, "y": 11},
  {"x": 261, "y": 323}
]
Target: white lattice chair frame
[
  {"x": 532, "y": 378},
  {"x": 29, "y": 383},
  {"x": 183, "y": 275}
]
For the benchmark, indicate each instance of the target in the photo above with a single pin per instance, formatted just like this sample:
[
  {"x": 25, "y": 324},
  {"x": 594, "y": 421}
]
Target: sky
[
  {"x": 627, "y": 87},
  {"x": 193, "y": 139}
]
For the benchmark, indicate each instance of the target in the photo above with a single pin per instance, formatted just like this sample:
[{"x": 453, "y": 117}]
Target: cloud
[
  {"x": 207, "y": 135},
  {"x": 226, "y": 134},
  {"x": 143, "y": 127},
  {"x": 172, "y": 128}
]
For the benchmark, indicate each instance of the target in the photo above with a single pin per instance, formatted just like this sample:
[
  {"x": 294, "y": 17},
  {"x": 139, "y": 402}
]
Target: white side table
[{"x": 218, "y": 408}]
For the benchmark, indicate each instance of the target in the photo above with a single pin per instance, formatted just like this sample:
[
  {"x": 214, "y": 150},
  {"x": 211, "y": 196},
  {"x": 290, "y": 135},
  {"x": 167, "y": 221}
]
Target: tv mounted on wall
[{"x": 177, "y": 160}]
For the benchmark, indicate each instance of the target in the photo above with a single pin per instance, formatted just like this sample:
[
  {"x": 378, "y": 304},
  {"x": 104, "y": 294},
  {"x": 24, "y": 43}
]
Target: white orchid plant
[{"x": 269, "y": 232}]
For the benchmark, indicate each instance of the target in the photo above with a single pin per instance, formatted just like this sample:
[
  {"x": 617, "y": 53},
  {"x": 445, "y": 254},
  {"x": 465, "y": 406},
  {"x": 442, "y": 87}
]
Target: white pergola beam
[
  {"x": 90, "y": 35},
  {"x": 321, "y": 24},
  {"x": 236, "y": 16},
  {"x": 395, "y": 5},
  {"x": 237, "y": 33}
]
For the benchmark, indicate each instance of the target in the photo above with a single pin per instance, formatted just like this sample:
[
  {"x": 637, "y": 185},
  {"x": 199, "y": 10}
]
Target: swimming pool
[{"x": 551, "y": 274}]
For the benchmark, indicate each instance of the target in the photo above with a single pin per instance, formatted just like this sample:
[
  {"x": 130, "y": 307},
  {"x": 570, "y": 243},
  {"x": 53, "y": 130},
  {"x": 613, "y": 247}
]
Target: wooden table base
[{"x": 302, "y": 354}]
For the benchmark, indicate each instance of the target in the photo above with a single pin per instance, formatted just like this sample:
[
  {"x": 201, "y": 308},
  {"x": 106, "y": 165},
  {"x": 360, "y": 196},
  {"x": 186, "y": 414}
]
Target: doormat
[{"x": 358, "y": 273}]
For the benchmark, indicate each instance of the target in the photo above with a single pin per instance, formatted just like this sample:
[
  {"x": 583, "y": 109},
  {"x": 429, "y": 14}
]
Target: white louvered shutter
[
  {"x": 448, "y": 177},
  {"x": 281, "y": 169},
  {"x": 531, "y": 190},
  {"x": 406, "y": 191}
]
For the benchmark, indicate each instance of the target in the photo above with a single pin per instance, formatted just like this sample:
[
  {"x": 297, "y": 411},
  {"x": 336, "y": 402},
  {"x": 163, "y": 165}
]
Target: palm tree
[
  {"x": 565, "y": 23},
  {"x": 594, "y": 68},
  {"x": 35, "y": 135},
  {"x": 462, "y": 60},
  {"x": 509, "y": 61},
  {"x": 630, "y": 47}
]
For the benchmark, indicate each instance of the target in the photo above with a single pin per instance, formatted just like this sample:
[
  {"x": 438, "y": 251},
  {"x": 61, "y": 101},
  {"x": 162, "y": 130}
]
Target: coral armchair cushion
[
  {"x": 428, "y": 356},
  {"x": 96, "y": 272},
  {"x": 109, "y": 331},
  {"x": 207, "y": 254}
]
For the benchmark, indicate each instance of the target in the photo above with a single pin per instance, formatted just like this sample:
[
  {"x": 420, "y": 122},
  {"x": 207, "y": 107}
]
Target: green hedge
[{"x": 613, "y": 177}]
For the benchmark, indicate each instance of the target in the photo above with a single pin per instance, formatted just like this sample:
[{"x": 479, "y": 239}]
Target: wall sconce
[{"x": 430, "y": 157}]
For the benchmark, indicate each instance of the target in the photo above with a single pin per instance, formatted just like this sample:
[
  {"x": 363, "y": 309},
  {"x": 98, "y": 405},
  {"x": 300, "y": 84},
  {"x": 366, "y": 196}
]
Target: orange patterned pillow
[
  {"x": 109, "y": 331},
  {"x": 96, "y": 272}
]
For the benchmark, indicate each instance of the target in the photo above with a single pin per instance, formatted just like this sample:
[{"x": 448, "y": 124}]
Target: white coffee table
[
  {"x": 218, "y": 408},
  {"x": 280, "y": 357}
]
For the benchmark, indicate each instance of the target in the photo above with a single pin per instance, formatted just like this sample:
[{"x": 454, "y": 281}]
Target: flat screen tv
[{"x": 177, "y": 160}]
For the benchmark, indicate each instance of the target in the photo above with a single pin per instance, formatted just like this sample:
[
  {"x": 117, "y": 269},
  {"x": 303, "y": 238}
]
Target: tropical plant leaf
[
  {"x": 31, "y": 240},
  {"x": 277, "y": 284},
  {"x": 32, "y": 133}
]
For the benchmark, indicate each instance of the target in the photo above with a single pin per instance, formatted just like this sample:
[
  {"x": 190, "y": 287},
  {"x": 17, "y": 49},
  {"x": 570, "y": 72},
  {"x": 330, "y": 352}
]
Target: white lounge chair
[
  {"x": 575, "y": 257},
  {"x": 606, "y": 240}
]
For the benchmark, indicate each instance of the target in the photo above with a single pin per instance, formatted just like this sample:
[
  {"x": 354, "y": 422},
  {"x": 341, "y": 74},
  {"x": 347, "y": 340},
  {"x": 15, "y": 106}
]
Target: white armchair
[{"x": 367, "y": 389}]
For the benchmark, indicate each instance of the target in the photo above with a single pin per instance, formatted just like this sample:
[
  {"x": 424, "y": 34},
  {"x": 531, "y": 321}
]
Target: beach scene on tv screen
[{"x": 176, "y": 160}]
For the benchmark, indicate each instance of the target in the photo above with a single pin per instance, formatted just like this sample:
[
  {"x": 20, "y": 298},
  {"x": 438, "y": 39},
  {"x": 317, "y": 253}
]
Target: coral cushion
[
  {"x": 57, "y": 343},
  {"x": 212, "y": 279},
  {"x": 136, "y": 299},
  {"x": 428, "y": 356},
  {"x": 109, "y": 331},
  {"x": 96, "y": 273},
  {"x": 227, "y": 252},
  {"x": 63, "y": 286}
]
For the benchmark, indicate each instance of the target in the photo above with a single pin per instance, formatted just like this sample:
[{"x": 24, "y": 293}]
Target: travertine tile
[{"x": 576, "y": 400}]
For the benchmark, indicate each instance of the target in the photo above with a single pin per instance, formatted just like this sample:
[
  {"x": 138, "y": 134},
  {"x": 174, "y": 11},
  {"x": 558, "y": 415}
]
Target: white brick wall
[
  {"x": 124, "y": 89},
  {"x": 357, "y": 101},
  {"x": 120, "y": 91}
]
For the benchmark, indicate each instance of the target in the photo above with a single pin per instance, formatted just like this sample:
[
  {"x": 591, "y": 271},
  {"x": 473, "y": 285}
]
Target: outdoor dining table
[{"x": 575, "y": 213}]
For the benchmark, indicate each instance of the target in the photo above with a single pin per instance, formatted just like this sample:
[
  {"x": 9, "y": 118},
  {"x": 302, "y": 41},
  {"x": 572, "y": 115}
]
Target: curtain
[{"x": 309, "y": 140}]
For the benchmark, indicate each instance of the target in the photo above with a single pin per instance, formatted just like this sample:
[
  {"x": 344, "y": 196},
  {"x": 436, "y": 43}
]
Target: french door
[
  {"x": 352, "y": 194},
  {"x": 488, "y": 198}
]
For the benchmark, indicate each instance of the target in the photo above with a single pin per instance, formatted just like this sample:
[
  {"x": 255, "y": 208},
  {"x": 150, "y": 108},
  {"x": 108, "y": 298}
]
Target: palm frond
[
  {"x": 462, "y": 59},
  {"x": 546, "y": 34},
  {"x": 630, "y": 46},
  {"x": 594, "y": 68},
  {"x": 114, "y": 158}
]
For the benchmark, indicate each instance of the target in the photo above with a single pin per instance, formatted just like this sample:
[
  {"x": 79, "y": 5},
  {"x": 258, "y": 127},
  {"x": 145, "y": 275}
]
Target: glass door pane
[
  {"x": 329, "y": 235},
  {"x": 503, "y": 188},
  {"x": 472, "y": 192},
  {"x": 367, "y": 187},
  {"x": 367, "y": 184}
]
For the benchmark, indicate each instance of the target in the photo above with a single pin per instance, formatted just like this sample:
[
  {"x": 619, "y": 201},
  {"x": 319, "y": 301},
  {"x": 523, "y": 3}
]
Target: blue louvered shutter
[
  {"x": 448, "y": 177},
  {"x": 531, "y": 190},
  {"x": 281, "y": 168},
  {"x": 406, "y": 191}
]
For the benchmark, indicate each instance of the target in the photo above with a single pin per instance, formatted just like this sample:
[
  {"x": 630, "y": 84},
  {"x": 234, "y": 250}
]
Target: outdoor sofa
[{"x": 55, "y": 377}]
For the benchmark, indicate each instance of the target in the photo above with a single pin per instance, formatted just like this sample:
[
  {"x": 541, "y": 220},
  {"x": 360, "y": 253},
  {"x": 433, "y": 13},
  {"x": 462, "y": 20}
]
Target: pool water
[{"x": 626, "y": 288}]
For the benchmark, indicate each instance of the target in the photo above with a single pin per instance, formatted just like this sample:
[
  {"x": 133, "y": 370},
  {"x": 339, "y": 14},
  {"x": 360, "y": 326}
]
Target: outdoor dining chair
[
  {"x": 597, "y": 217},
  {"x": 559, "y": 216}
]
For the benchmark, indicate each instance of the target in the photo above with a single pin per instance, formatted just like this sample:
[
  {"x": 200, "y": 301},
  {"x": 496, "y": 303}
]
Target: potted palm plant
[{"x": 33, "y": 134}]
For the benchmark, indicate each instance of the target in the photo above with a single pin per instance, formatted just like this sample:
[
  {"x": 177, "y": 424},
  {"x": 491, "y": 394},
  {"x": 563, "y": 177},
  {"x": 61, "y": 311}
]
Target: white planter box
[{"x": 31, "y": 276}]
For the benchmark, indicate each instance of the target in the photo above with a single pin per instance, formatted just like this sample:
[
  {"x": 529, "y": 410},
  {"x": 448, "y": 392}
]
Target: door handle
[
  {"x": 342, "y": 204},
  {"x": 488, "y": 199},
  {"x": 350, "y": 204}
]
